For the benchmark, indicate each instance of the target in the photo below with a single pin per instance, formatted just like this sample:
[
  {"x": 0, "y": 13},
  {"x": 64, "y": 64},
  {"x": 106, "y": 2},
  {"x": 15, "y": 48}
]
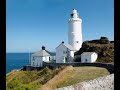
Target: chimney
[
  {"x": 43, "y": 47},
  {"x": 62, "y": 41}
]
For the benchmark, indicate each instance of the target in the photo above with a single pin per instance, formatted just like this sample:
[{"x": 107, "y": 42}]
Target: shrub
[
  {"x": 14, "y": 83},
  {"x": 104, "y": 40}
]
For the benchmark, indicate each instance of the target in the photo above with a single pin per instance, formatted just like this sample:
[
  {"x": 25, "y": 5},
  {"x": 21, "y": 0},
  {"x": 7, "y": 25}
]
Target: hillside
[
  {"x": 29, "y": 80},
  {"x": 48, "y": 79},
  {"x": 103, "y": 47},
  {"x": 80, "y": 74}
]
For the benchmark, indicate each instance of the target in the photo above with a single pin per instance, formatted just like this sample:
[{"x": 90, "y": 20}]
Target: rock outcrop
[
  {"x": 105, "y": 51},
  {"x": 101, "y": 83}
]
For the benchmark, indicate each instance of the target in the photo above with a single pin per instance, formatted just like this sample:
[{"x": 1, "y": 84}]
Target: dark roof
[{"x": 51, "y": 53}]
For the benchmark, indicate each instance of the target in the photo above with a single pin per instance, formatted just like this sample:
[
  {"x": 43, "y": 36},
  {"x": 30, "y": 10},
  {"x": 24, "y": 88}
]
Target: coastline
[{"x": 14, "y": 70}]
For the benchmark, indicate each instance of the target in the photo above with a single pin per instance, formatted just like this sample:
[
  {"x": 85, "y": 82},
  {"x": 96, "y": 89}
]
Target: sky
[{"x": 30, "y": 24}]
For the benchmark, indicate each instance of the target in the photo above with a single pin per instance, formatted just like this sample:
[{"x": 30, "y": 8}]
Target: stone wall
[
  {"x": 101, "y": 83},
  {"x": 110, "y": 67}
]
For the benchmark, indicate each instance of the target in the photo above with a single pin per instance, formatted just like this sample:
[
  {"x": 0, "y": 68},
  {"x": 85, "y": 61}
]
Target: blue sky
[{"x": 33, "y": 23}]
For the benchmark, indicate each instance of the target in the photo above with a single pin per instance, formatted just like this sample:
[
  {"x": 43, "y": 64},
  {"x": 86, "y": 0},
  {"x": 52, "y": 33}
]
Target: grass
[
  {"x": 48, "y": 79},
  {"x": 60, "y": 77},
  {"x": 29, "y": 80},
  {"x": 80, "y": 74}
]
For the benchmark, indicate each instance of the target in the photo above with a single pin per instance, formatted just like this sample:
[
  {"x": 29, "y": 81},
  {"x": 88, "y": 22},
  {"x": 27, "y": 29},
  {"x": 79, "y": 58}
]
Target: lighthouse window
[
  {"x": 77, "y": 41},
  {"x": 71, "y": 15}
]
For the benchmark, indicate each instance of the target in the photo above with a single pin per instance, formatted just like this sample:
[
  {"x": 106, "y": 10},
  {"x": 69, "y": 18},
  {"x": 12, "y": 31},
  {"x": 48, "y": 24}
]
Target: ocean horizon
[{"x": 16, "y": 60}]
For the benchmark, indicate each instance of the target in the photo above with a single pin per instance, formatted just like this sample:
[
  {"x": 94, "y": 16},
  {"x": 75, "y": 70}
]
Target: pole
[{"x": 29, "y": 55}]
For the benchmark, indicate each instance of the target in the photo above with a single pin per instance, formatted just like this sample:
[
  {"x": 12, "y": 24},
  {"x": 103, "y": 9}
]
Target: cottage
[
  {"x": 88, "y": 57},
  {"x": 41, "y": 56},
  {"x": 64, "y": 53}
]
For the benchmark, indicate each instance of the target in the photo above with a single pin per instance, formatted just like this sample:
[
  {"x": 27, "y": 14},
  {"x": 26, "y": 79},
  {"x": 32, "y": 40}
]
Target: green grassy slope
[
  {"x": 29, "y": 80},
  {"x": 59, "y": 77},
  {"x": 80, "y": 74}
]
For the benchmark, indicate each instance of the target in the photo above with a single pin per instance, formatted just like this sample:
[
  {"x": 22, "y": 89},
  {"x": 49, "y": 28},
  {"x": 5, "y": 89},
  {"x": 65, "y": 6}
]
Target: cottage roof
[
  {"x": 51, "y": 53},
  {"x": 67, "y": 46},
  {"x": 41, "y": 53},
  {"x": 88, "y": 53}
]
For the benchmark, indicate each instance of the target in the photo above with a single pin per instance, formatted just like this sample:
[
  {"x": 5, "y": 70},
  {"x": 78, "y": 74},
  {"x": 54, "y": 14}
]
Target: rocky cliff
[{"x": 103, "y": 47}]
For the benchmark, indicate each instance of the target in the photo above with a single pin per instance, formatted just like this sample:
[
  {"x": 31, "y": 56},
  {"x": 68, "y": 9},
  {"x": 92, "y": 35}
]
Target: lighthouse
[{"x": 75, "y": 30}]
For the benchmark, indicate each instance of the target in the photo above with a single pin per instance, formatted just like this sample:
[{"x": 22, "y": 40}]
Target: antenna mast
[{"x": 29, "y": 55}]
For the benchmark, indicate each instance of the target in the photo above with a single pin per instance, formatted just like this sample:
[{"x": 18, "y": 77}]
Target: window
[
  {"x": 77, "y": 41},
  {"x": 33, "y": 64},
  {"x": 65, "y": 59},
  {"x": 85, "y": 60},
  {"x": 65, "y": 52},
  {"x": 33, "y": 58},
  {"x": 72, "y": 15}
]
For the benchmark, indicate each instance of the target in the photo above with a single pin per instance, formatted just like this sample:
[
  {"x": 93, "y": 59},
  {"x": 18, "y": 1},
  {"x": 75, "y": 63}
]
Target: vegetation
[
  {"x": 59, "y": 78},
  {"x": 80, "y": 74},
  {"x": 29, "y": 80},
  {"x": 48, "y": 79},
  {"x": 103, "y": 47},
  {"x": 104, "y": 40},
  {"x": 72, "y": 75}
]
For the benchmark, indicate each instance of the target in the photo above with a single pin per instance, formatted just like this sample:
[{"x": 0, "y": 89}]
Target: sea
[{"x": 16, "y": 61}]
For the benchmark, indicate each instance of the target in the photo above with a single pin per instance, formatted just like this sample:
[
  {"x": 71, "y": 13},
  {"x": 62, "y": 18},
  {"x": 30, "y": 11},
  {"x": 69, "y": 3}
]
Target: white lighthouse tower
[{"x": 75, "y": 30}]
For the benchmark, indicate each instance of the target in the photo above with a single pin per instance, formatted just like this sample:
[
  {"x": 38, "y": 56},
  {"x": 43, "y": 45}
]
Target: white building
[
  {"x": 89, "y": 57},
  {"x": 64, "y": 53},
  {"x": 41, "y": 56},
  {"x": 75, "y": 30}
]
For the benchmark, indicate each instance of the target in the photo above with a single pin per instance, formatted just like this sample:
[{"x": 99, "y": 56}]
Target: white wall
[
  {"x": 71, "y": 56},
  {"x": 94, "y": 57},
  {"x": 84, "y": 57},
  {"x": 36, "y": 62},
  {"x": 90, "y": 58},
  {"x": 46, "y": 58},
  {"x": 75, "y": 31},
  {"x": 60, "y": 55},
  {"x": 52, "y": 58}
]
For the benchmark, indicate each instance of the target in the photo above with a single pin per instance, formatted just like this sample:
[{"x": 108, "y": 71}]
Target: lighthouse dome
[{"x": 74, "y": 11}]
